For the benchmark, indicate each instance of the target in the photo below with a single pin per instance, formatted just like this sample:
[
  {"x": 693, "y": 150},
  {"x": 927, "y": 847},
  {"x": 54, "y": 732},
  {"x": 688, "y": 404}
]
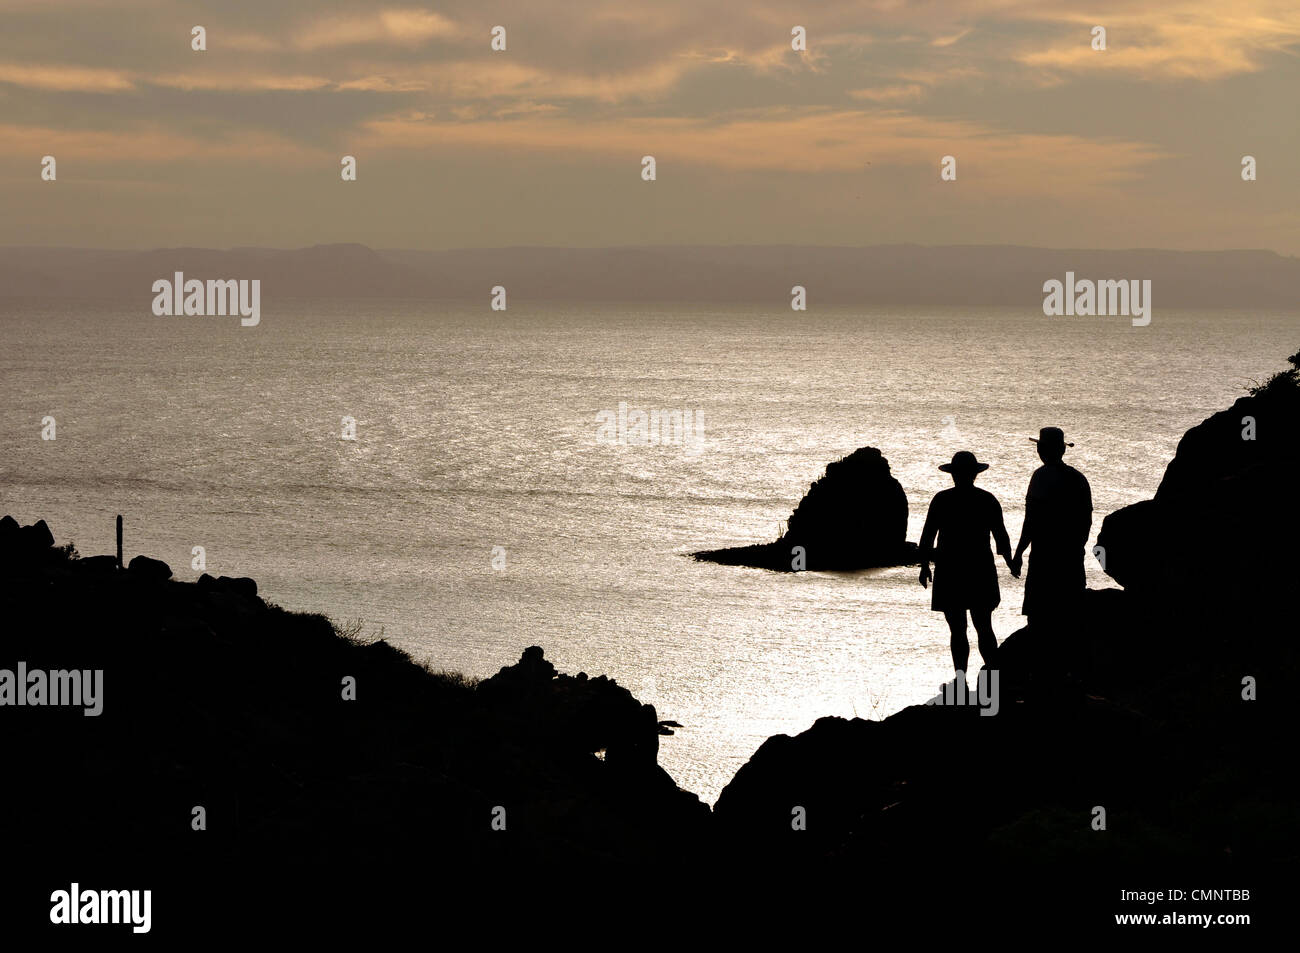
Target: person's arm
[
  {"x": 1001, "y": 540},
  {"x": 1085, "y": 509},
  {"x": 1026, "y": 531},
  {"x": 928, "y": 533},
  {"x": 1027, "y": 528}
]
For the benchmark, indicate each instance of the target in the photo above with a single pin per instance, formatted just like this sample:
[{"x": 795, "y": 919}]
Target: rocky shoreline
[{"x": 1167, "y": 706}]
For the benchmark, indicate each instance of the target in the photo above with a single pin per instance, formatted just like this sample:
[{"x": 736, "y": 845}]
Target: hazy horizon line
[{"x": 682, "y": 245}]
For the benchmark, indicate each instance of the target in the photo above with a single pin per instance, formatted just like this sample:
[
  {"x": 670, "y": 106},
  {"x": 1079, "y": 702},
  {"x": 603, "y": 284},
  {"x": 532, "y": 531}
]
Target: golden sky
[{"x": 457, "y": 145}]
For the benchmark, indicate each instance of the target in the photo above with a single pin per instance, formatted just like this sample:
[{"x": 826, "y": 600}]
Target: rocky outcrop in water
[{"x": 853, "y": 517}]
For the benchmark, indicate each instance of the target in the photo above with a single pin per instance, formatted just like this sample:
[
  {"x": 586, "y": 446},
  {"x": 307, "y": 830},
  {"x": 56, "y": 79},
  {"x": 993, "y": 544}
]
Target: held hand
[
  {"x": 925, "y": 577},
  {"x": 1014, "y": 564}
]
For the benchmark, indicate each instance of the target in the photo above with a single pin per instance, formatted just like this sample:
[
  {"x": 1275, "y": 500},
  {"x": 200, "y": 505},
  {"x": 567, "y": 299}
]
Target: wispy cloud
[
  {"x": 65, "y": 78},
  {"x": 942, "y": 41},
  {"x": 403, "y": 27},
  {"x": 1183, "y": 40},
  {"x": 792, "y": 140},
  {"x": 890, "y": 94}
]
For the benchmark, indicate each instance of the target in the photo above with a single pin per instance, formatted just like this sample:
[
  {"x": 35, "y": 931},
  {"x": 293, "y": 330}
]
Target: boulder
[
  {"x": 25, "y": 547},
  {"x": 97, "y": 565},
  {"x": 40, "y": 535},
  {"x": 532, "y": 670},
  {"x": 236, "y": 585},
  {"x": 35, "y": 539},
  {"x": 151, "y": 570},
  {"x": 576, "y": 715},
  {"x": 240, "y": 585},
  {"x": 10, "y": 546}
]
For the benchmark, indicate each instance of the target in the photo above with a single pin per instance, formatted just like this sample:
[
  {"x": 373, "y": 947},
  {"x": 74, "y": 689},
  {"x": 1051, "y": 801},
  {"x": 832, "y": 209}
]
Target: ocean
[{"x": 480, "y": 510}]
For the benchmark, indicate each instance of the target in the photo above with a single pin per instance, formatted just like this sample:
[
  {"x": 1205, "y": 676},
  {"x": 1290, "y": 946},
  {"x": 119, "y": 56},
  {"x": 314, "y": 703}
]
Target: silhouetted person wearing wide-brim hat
[
  {"x": 965, "y": 577},
  {"x": 1058, "y": 519}
]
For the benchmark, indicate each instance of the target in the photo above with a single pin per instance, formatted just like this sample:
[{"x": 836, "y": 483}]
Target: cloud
[
  {"x": 402, "y": 27},
  {"x": 796, "y": 140},
  {"x": 65, "y": 78},
  {"x": 1188, "y": 40},
  {"x": 150, "y": 143},
  {"x": 890, "y": 94},
  {"x": 241, "y": 82},
  {"x": 942, "y": 41},
  {"x": 468, "y": 81}
]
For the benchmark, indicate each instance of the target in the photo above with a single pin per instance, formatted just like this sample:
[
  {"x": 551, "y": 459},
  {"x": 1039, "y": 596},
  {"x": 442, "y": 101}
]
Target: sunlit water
[{"x": 478, "y": 429}]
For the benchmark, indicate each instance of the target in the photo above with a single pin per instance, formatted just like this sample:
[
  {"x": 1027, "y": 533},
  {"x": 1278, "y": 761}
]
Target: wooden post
[{"x": 119, "y": 542}]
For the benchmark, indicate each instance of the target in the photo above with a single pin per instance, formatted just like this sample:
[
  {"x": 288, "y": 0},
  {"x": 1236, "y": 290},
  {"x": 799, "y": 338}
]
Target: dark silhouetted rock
[
  {"x": 36, "y": 537},
  {"x": 240, "y": 585},
  {"x": 24, "y": 548},
  {"x": 1226, "y": 508},
  {"x": 97, "y": 565},
  {"x": 12, "y": 550},
  {"x": 579, "y": 714},
  {"x": 40, "y": 536},
  {"x": 1135, "y": 539},
  {"x": 531, "y": 671},
  {"x": 236, "y": 585},
  {"x": 853, "y": 517},
  {"x": 151, "y": 570}
]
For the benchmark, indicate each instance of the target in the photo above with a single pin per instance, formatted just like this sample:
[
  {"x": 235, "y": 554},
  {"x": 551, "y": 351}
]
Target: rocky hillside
[
  {"x": 1225, "y": 509},
  {"x": 305, "y": 750}
]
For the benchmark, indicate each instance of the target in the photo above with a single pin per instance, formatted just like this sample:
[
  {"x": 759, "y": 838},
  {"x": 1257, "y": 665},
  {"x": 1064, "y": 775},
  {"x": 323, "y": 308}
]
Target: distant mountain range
[{"x": 874, "y": 275}]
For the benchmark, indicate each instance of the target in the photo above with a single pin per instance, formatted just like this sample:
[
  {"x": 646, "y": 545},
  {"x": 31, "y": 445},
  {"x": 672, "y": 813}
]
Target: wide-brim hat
[
  {"x": 963, "y": 461},
  {"x": 1051, "y": 436}
]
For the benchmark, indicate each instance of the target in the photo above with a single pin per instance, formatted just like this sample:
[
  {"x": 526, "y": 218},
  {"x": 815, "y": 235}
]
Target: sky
[{"x": 457, "y": 145}]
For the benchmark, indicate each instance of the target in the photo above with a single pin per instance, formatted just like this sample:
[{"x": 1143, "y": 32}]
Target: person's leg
[
  {"x": 988, "y": 641},
  {"x": 960, "y": 647}
]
